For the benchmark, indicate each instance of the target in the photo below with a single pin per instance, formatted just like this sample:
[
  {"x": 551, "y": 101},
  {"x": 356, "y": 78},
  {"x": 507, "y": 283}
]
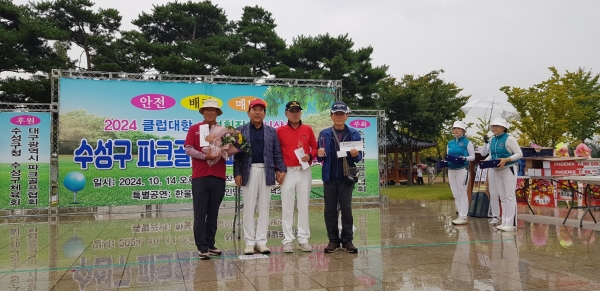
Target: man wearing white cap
[
  {"x": 458, "y": 172},
  {"x": 208, "y": 182},
  {"x": 503, "y": 179}
]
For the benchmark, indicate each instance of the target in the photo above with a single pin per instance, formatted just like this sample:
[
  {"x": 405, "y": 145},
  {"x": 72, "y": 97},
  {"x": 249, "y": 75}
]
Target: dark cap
[
  {"x": 258, "y": 102},
  {"x": 293, "y": 105},
  {"x": 340, "y": 106}
]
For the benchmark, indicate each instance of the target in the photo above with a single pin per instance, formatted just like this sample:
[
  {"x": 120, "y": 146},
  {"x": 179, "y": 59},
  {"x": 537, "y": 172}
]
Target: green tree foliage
[
  {"x": 260, "y": 44},
  {"x": 333, "y": 58},
  {"x": 124, "y": 54},
  {"x": 418, "y": 107},
  {"x": 25, "y": 48},
  {"x": 187, "y": 38},
  {"x": 321, "y": 98},
  {"x": 483, "y": 128},
  {"x": 561, "y": 109},
  {"x": 89, "y": 30},
  {"x": 36, "y": 89}
]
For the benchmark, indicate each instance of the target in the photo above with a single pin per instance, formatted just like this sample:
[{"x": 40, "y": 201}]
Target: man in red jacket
[{"x": 298, "y": 146}]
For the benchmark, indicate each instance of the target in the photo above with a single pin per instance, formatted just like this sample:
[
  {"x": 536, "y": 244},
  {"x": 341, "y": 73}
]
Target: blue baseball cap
[{"x": 340, "y": 106}]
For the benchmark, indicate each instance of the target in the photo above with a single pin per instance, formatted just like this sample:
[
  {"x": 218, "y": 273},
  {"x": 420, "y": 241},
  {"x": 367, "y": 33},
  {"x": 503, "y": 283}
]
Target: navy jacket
[
  {"x": 273, "y": 157},
  {"x": 326, "y": 136}
]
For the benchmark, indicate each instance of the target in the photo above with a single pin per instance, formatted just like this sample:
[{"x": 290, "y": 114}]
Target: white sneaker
[
  {"x": 288, "y": 247},
  {"x": 459, "y": 221},
  {"x": 507, "y": 228},
  {"x": 249, "y": 250},
  {"x": 494, "y": 221},
  {"x": 262, "y": 249},
  {"x": 305, "y": 247}
]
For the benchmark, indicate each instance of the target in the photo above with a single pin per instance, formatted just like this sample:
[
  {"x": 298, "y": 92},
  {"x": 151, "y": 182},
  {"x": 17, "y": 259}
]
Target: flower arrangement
[
  {"x": 522, "y": 192},
  {"x": 582, "y": 150},
  {"x": 561, "y": 150},
  {"x": 595, "y": 191},
  {"x": 237, "y": 140},
  {"x": 225, "y": 142}
]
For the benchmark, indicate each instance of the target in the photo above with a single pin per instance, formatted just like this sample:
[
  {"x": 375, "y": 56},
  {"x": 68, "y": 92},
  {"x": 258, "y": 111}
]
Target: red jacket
[{"x": 290, "y": 139}]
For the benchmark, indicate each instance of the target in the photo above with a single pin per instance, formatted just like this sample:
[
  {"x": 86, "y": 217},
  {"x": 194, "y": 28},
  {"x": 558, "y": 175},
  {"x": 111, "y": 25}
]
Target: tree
[
  {"x": 25, "y": 48},
  {"x": 418, "y": 107},
  {"x": 87, "y": 29},
  {"x": 261, "y": 44},
  {"x": 332, "y": 58},
  {"x": 125, "y": 54},
  {"x": 187, "y": 38},
  {"x": 560, "y": 109},
  {"x": 483, "y": 128}
]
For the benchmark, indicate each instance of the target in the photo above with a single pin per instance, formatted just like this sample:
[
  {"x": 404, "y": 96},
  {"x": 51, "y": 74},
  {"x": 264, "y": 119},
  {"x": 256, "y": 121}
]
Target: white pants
[
  {"x": 503, "y": 184},
  {"x": 458, "y": 186},
  {"x": 256, "y": 189},
  {"x": 297, "y": 184}
]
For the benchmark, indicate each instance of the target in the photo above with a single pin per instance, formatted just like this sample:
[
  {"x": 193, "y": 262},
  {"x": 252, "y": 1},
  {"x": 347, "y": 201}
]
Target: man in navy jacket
[
  {"x": 336, "y": 183},
  {"x": 255, "y": 173}
]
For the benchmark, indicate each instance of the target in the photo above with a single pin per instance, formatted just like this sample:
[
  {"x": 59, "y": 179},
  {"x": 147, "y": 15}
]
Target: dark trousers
[
  {"x": 338, "y": 191},
  {"x": 420, "y": 180},
  {"x": 207, "y": 193}
]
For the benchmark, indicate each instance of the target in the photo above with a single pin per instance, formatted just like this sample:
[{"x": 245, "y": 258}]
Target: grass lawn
[{"x": 438, "y": 191}]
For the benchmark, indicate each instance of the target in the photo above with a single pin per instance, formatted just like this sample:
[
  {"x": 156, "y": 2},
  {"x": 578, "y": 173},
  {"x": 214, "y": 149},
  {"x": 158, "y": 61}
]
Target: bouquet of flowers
[
  {"x": 561, "y": 150},
  {"x": 227, "y": 142},
  {"x": 582, "y": 150},
  {"x": 234, "y": 142}
]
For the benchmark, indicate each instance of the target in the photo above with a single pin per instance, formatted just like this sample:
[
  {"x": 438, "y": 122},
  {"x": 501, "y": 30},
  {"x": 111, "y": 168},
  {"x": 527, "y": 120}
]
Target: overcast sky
[{"x": 481, "y": 45}]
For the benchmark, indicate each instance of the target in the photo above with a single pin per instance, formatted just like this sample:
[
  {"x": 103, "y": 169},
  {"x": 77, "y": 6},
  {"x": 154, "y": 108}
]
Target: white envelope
[
  {"x": 300, "y": 153},
  {"x": 346, "y": 146},
  {"x": 203, "y": 132}
]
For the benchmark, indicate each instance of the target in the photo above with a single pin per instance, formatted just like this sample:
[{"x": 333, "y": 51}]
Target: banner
[
  {"x": 121, "y": 142},
  {"x": 25, "y": 159}
]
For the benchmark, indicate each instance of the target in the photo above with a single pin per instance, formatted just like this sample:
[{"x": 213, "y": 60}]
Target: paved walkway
[{"x": 403, "y": 245}]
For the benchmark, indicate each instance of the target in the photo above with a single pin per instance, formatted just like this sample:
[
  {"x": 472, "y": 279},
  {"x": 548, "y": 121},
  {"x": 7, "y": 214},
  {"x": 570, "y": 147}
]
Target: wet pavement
[{"x": 403, "y": 245}]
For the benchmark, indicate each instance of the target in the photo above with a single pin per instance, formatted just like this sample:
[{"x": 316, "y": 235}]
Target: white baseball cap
[
  {"x": 500, "y": 121},
  {"x": 459, "y": 124}
]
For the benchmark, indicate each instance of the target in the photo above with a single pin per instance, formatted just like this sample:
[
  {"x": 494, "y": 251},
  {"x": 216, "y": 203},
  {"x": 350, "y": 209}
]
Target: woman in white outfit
[
  {"x": 458, "y": 172},
  {"x": 503, "y": 179}
]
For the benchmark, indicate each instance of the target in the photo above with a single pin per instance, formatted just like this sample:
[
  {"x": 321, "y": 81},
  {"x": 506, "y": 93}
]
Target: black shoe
[
  {"x": 331, "y": 247},
  {"x": 214, "y": 251},
  {"x": 350, "y": 247},
  {"x": 203, "y": 255}
]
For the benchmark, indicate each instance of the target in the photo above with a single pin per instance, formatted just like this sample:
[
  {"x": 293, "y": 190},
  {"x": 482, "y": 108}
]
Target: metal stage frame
[{"x": 14, "y": 215}]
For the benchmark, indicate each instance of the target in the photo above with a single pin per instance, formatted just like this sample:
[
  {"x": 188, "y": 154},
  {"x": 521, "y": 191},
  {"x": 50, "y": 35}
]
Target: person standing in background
[
  {"x": 430, "y": 174},
  {"x": 503, "y": 179},
  {"x": 419, "y": 176},
  {"x": 458, "y": 172},
  {"x": 297, "y": 183}
]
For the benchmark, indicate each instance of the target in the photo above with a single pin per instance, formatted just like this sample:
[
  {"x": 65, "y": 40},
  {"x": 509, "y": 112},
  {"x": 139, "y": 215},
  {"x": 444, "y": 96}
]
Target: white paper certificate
[
  {"x": 300, "y": 153},
  {"x": 346, "y": 146},
  {"x": 203, "y": 132}
]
